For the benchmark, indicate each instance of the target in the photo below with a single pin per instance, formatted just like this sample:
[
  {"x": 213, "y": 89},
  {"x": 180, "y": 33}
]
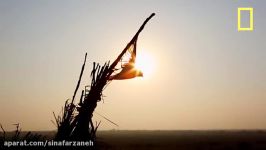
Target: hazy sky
[{"x": 207, "y": 74}]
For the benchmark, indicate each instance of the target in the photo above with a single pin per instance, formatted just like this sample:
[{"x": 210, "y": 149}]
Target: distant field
[
  {"x": 183, "y": 140},
  {"x": 180, "y": 140}
]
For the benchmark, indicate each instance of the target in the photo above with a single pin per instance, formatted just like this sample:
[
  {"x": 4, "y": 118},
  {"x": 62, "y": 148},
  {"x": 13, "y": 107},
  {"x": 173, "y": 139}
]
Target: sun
[{"x": 145, "y": 63}]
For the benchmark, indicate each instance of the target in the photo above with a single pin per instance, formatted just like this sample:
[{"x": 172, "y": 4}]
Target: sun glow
[{"x": 145, "y": 63}]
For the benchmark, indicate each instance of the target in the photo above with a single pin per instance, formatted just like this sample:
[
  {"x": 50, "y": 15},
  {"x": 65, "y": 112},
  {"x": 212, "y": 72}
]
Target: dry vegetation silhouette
[{"x": 75, "y": 123}]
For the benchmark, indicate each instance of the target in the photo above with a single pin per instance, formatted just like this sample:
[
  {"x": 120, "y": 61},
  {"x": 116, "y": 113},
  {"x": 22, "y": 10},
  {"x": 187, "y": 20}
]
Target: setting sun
[{"x": 145, "y": 63}]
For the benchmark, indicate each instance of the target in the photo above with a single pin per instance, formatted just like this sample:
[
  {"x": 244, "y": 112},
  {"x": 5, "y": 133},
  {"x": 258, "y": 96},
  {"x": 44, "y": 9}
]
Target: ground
[
  {"x": 180, "y": 140},
  {"x": 183, "y": 140}
]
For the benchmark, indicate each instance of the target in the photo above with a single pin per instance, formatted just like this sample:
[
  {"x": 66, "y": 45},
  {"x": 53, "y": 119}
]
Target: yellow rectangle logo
[{"x": 251, "y": 22}]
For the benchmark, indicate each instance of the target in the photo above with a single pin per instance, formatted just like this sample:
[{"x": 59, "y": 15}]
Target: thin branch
[
  {"x": 107, "y": 119},
  {"x": 4, "y": 132},
  {"x": 80, "y": 76}
]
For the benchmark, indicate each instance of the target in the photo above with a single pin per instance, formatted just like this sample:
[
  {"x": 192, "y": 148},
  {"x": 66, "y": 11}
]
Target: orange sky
[{"x": 206, "y": 74}]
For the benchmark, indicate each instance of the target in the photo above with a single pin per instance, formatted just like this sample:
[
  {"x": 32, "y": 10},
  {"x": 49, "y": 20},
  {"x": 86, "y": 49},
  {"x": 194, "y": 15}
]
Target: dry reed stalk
[{"x": 80, "y": 126}]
